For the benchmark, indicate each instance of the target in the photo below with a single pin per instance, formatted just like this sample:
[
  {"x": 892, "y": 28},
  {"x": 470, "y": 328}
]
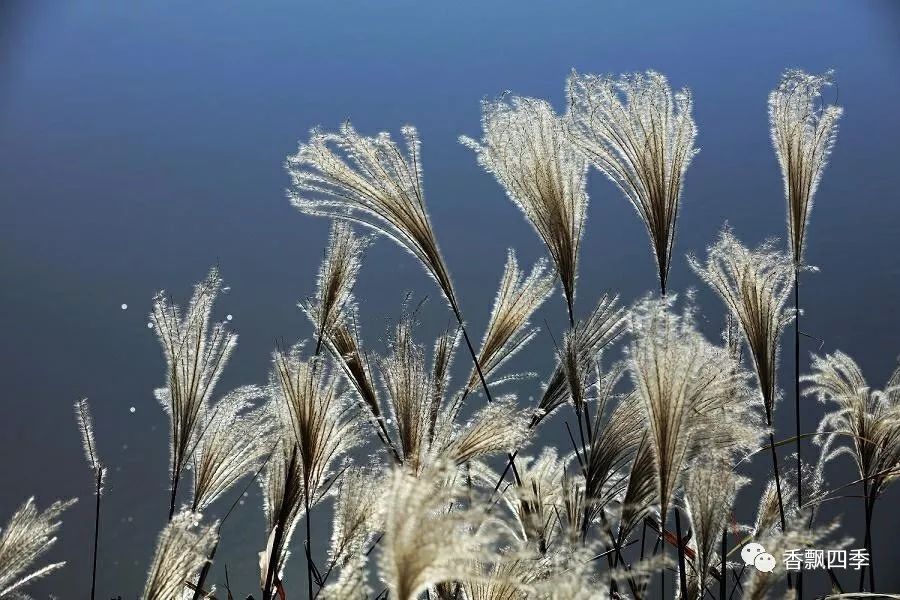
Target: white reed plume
[
  {"x": 525, "y": 147},
  {"x": 371, "y": 181},
  {"x": 755, "y": 286},
  {"x": 337, "y": 276},
  {"x": 86, "y": 428},
  {"x": 182, "y": 549},
  {"x": 518, "y": 297},
  {"x": 424, "y": 543},
  {"x": 641, "y": 135},
  {"x": 803, "y": 133},
  {"x": 196, "y": 353},
  {"x": 28, "y": 535},
  {"x": 236, "y": 435},
  {"x": 357, "y": 514}
]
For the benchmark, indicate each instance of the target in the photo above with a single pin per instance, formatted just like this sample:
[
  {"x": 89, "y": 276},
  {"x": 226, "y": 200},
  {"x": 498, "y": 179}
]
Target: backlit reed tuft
[
  {"x": 371, "y": 181},
  {"x": 196, "y": 353},
  {"x": 803, "y": 132},
  {"x": 525, "y": 147},
  {"x": 236, "y": 435},
  {"x": 181, "y": 551},
  {"x": 429, "y": 538},
  {"x": 518, "y": 297},
  {"x": 337, "y": 276},
  {"x": 641, "y": 135},
  {"x": 27, "y": 536},
  {"x": 755, "y": 286},
  {"x": 86, "y": 428}
]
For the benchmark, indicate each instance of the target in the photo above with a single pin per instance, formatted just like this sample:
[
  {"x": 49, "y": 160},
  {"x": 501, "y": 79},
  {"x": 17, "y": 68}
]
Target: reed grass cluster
[{"x": 404, "y": 461}]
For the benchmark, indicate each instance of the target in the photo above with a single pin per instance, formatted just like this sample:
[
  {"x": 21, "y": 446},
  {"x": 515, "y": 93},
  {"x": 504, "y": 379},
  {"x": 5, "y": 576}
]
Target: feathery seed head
[
  {"x": 526, "y": 149},
  {"x": 371, "y": 181},
  {"x": 803, "y": 133},
  {"x": 28, "y": 535},
  {"x": 183, "y": 547},
  {"x": 641, "y": 135}
]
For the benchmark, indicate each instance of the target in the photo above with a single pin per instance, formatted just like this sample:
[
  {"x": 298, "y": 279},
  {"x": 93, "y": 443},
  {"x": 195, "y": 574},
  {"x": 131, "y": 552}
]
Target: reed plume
[
  {"x": 686, "y": 386},
  {"x": 518, "y": 297},
  {"x": 181, "y": 551},
  {"x": 234, "y": 443},
  {"x": 29, "y": 534},
  {"x": 581, "y": 347},
  {"x": 710, "y": 488},
  {"x": 337, "y": 276},
  {"x": 370, "y": 181},
  {"x": 803, "y": 133},
  {"x": 324, "y": 424},
  {"x": 641, "y": 135},
  {"x": 196, "y": 353},
  {"x": 870, "y": 417},
  {"x": 351, "y": 585},
  {"x": 283, "y": 506},
  {"x": 357, "y": 514},
  {"x": 525, "y": 147},
  {"x": 425, "y": 543},
  {"x": 86, "y": 428}
]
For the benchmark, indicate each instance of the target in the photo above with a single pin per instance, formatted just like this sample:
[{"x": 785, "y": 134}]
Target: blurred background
[{"x": 142, "y": 143}]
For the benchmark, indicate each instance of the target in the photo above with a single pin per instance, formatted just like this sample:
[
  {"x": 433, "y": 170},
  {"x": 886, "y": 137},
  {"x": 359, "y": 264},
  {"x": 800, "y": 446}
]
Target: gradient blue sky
[{"x": 142, "y": 142}]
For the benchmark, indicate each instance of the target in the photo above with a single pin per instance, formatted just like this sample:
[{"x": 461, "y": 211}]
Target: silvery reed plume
[
  {"x": 28, "y": 534},
  {"x": 803, "y": 132},
  {"x": 526, "y": 149},
  {"x": 641, "y": 135},
  {"x": 688, "y": 390},
  {"x": 871, "y": 419},
  {"x": 181, "y": 551},
  {"x": 86, "y": 428},
  {"x": 333, "y": 301},
  {"x": 754, "y": 285},
  {"x": 313, "y": 406},
  {"x": 195, "y": 352}
]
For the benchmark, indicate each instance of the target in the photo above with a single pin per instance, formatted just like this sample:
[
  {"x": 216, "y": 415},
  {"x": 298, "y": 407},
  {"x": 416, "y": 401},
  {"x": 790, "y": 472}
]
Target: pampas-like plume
[
  {"x": 871, "y": 417},
  {"x": 754, "y": 285},
  {"x": 28, "y": 535},
  {"x": 500, "y": 426},
  {"x": 803, "y": 133},
  {"x": 710, "y": 488},
  {"x": 346, "y": 348},
  {"x": 195, "y": 355},
  {"x": 233, "y": 444},
  {"x": 581, "y": 346},
  {"x": 323, "y": 423},
  {"x": 641, "y": 135},
  {"x": 534, "y": 503},
  {"x": 86, "y": 427},
  {"x": 370, "y": 181},
  {"x": 357, "y": 514},
  {"x": 425, "y": 543},
  {"x": 508, "y": 329},
  {"x": 181, "y": 551},
  {"x": 613, "y": 441},
  {"x": 351, "y": 585},
  {"x": 686, "y": 386},
  {"x": 337, "y": 276},
  {"x": 525, "y": 147},
  {"x": 283, "y": 495}
]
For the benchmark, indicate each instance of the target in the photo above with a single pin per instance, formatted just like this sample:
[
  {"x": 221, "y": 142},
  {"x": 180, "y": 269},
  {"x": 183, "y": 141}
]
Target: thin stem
[
  {"x": 778, "y": 490},
  {"x": 204, "y": 572},
  {"x": 723, "y": 579},
  {"x": 797, "y": 406},
  {"x": 682, "y": 573},
  {"x": 96, "y": 531}
]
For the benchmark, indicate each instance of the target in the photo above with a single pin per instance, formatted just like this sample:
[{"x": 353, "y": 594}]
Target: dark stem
[
  {"x": 96, "y": 531},
  {"x": 723, "y": 578},
  {"x": 869, "y": 543},
  {"x": 309, "y": 562},
  {"x": 797, "y": 407},
  {"x": 204, "y": 572},
  {"x": 682, "y": 573},
  {"x": 778, "y": 490}
]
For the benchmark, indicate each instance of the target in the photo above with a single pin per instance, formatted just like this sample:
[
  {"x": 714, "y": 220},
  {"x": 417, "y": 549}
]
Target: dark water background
[{"x": 141, "y": 143}]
